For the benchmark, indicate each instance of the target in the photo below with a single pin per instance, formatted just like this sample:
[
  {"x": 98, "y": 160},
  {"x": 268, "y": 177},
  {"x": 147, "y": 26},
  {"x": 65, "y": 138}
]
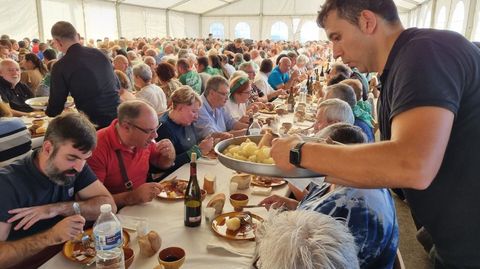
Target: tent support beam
[
  {"x": 470, "y": 19},
  {"x": 434, "y": 11},
  {"x": 167, "y": 21},
  {"x": 41, "y": 33},
  {"x": 84, "y": 19},
  {"x": 119, "y": 22},
  {"x": 261, "y": 21}
]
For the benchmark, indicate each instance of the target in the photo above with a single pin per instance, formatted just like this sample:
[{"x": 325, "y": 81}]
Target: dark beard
[{"x": 58, "y": 177}]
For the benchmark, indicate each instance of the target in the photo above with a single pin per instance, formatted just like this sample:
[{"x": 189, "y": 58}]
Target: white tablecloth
[{"x": 166, "y": 218}]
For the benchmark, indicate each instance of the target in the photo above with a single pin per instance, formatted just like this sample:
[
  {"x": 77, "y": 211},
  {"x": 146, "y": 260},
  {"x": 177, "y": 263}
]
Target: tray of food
[
  {"x": 263, "y": 181},
  {"x": 251, "y": 154}
]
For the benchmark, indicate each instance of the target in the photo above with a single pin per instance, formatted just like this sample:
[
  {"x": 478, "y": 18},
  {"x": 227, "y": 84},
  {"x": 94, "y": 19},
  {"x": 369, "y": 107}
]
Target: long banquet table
[{"x": 166, "y": 218}]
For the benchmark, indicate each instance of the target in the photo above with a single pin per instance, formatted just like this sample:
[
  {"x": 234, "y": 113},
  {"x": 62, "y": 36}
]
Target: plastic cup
[
  {"x": 233, "y": 187},
  {"x": 209, "y": 213}
]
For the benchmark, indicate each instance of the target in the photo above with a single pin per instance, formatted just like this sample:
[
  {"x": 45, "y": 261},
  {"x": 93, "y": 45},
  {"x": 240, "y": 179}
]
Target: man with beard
[
  {"x": 125, "y": 151},
  {"x": 38, "y": 191}
]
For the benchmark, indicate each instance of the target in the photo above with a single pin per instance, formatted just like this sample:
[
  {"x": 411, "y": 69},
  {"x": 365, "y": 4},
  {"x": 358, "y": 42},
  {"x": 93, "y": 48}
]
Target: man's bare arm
[
  {"x": 13, "y": 252},
  {"x": 411, "y": 159}
]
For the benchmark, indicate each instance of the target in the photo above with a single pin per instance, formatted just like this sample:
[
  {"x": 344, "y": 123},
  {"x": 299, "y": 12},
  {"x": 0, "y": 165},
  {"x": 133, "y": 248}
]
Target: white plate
[{"x": 42, "y": 102}]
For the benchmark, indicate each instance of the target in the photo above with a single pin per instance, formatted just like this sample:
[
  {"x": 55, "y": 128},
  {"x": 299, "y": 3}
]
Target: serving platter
[
  {"x": 256, "y": 168},
  {"x": 41, "y": 103}
]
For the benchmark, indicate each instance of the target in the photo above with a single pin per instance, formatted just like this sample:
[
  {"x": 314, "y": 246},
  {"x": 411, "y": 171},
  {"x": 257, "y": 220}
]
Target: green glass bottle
[{"x": 193, "y": 197}]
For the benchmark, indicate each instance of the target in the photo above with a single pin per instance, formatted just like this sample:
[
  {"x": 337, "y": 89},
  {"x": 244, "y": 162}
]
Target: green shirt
[
  {"x": 193, "y": 80},
  {"x": 213, "y": 71}
]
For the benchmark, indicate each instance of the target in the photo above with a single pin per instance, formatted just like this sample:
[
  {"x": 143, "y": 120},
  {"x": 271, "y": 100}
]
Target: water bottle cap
[{"x": 106, "y": 208}]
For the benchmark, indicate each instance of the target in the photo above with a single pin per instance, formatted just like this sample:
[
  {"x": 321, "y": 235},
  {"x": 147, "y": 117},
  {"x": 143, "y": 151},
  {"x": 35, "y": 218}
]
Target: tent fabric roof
[{"x": 205, "y": 6}]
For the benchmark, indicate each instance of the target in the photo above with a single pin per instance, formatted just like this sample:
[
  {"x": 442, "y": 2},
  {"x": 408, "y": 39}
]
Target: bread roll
[
  {"x": 41, "y": 130},
  {"x": 149, "y": 243},
  {"x": 217, "y": 202},
  {"x": 243, "y": 180},
  {"x": 266, "y": 139}
]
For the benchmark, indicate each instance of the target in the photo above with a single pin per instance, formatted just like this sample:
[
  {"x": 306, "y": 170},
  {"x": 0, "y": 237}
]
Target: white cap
[{"x": 106, "y": 208}]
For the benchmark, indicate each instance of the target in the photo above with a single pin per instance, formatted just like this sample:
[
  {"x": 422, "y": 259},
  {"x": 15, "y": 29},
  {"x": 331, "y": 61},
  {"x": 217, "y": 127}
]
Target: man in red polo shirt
[{"x": 129, "y": 142}]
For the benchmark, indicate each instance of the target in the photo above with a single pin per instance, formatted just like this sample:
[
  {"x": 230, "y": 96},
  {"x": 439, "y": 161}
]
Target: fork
[{"x": 85, "y": 237}]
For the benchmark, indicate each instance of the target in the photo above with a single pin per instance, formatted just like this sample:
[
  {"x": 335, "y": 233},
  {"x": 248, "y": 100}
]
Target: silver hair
[
  {"x": 214, "y": 83},
  {"x": 344, "y": 133},
  {"x": 244, "y": 66},
  {"x": 149, "y": 58},
  {"x": 302, "y": 59},
  {"x": 303, "y": 239},
  {"x": 342, "y": 92},
  {"x": 336, "y": 110},
  {"x": 238, "y": 73},
  {"x": 143, "y": 71}
]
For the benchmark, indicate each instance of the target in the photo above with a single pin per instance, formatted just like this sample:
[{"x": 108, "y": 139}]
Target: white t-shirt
[
  {"x": 236, "y": 110},
  {"x": 155, "y": 96},
  {"x": 261, "y": 81}
]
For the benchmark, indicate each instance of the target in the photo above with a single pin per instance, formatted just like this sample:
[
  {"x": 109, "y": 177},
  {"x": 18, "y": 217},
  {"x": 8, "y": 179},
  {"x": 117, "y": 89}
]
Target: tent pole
[
  {"x": 167, "y": 21},
  {"x": 434, "y": 11},
  {"x": 119, "y": 23},
  {"x": 261, "y": 21},
  {"x": 471, "y": 19},
  {"x": 41, "y": 34},
  {"x": 84, "y": 20}
]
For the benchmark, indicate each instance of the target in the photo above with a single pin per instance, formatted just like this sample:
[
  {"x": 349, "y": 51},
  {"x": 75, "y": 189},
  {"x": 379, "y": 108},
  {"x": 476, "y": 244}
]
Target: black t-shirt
[
  {"x": 16, "y": 96},
  {"x": 88, "y": 76},
  {"x": 442, "y": 69},
  {"x": 23, "y": 185}
]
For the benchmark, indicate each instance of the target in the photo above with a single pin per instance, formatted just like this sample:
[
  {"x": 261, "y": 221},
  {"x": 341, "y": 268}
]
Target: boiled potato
[
  {"x": 249, "y": 151},
  {"x": 233, "y": 224}
]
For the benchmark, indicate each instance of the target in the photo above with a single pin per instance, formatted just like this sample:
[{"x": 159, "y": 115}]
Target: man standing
[
  {"x": 38, "y": 191},
  {"x": 125, "y": 151},
  {"x": 428, "y": 116},
  {"x": 84, "y": 73}
]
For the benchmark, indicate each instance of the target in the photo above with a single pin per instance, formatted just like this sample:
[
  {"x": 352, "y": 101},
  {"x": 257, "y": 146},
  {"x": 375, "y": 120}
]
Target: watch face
[{"x": 295, "y": 157}]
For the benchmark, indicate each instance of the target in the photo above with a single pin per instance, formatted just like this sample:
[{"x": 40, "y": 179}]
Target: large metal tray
[{"x": 256, "y": 168}]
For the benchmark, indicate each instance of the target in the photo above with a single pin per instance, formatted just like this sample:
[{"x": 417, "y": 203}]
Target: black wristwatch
[{"x": 296, "y": 154}]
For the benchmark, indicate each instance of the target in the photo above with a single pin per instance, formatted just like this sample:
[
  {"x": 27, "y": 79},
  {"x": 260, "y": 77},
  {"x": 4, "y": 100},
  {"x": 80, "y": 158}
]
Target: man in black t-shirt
[
  {"x": 84, "y": 73},
  {"x": 429, "y": 109},
  {"x": 37, "y": 193}
]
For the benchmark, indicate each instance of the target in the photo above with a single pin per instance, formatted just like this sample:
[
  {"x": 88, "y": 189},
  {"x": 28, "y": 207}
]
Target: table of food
[{"x": 225, "y": 240}]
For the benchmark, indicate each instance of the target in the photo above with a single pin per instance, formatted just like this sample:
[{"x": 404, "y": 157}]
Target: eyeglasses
[
  {"x": 146, "y": 131},
  {"x": 224, "y": 94}
]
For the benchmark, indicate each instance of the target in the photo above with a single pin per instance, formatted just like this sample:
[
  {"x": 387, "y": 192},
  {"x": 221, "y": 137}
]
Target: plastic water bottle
[
  {"x": 254, "y": 128},
  {"x": 107, "y": 232}
]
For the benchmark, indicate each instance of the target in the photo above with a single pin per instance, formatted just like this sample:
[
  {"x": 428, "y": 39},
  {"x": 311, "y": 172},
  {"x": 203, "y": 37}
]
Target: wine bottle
[
  {"x": 291, "y": 101},
  {"x": 309, "y": 85},
  {"x": 322, "y": 74},
  {"x": 193, "y": 197}
]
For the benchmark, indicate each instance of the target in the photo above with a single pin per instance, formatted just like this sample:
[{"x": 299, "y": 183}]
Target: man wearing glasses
[
  {"x": 213, "y": 119},
  {"x": 125, "y": 151}
]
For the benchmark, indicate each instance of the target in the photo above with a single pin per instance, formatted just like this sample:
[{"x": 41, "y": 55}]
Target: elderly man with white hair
[
  {"x": 280, "y": 77},
  {"x": 332, "y": 111},
  {"x": 121, "y": 63},
  {"x": 304, "y": 239},
  {"x": 13, "y": 91},
  {"x": 149, "y": 92}
]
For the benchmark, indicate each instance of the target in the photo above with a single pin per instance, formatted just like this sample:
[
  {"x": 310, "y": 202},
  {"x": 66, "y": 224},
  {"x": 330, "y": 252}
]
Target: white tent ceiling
[{"x": 205, "y": 6}]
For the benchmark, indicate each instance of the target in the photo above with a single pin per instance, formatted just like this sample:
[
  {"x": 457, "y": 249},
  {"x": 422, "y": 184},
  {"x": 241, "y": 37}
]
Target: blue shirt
[
  {"x": 277, "y": 78},
  {"x": 212, "y": 120},
  {"x": 365, "y": 128},
  {"x": 368, "y": 213}
]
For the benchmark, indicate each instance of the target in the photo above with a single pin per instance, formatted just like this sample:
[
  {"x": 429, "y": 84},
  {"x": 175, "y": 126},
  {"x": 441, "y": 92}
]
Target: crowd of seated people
[{"x": 152, "y": 102}]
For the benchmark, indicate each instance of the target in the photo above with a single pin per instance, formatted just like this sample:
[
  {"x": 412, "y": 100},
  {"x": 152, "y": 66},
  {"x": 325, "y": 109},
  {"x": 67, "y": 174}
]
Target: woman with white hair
[
  {"x": 368, "y": 213},
  {"x": 301, "y": 66},
  {"x": 304, "y": 240},
  {"x": 149, "y": 92}
]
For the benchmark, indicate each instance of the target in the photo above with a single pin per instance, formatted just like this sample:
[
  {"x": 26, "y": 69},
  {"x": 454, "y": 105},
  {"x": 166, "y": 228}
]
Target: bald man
[
  {"x": 280, "y": 77},
  {"x": 13, "y": 91}
]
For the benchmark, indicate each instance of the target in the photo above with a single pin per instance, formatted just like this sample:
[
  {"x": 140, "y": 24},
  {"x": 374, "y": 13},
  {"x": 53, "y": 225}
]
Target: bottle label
[
  {"x": 254, "y": 131},
  {"x": 195, "y": 219},
  {"x": 106, "y": 242}
]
